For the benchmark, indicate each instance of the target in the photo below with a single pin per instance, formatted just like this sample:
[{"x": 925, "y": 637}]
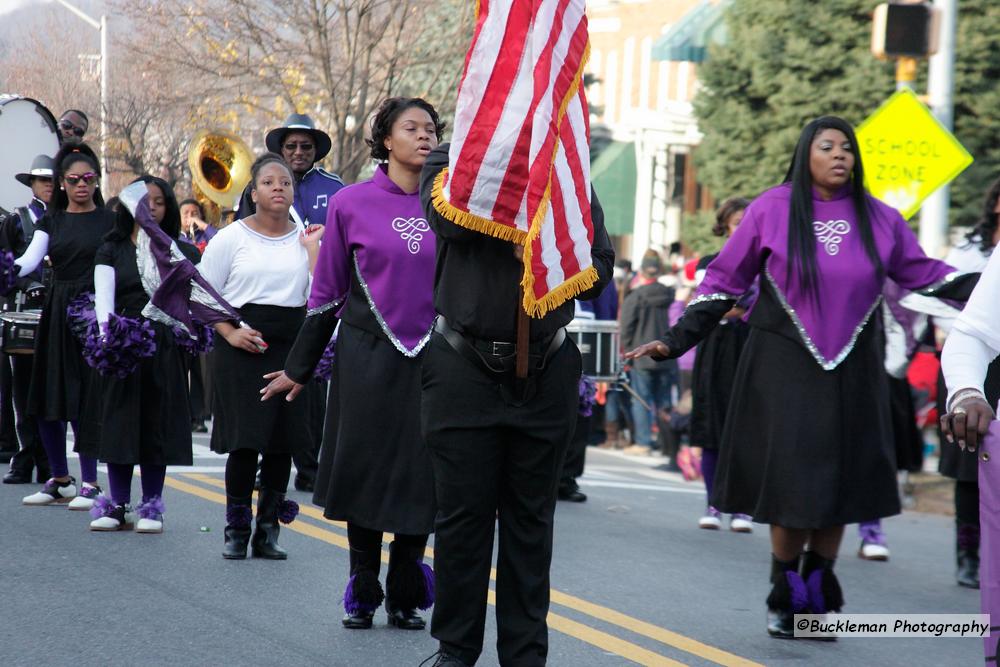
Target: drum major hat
[
  {"x": 42, "y": 166},
  {"x": 298, "y": 122}
]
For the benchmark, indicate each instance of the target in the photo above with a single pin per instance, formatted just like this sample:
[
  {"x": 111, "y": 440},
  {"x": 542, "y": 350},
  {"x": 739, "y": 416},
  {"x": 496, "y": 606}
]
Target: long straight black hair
[
  {"x": 171, "y": 223},
  {"x": 801, "y": 237},
  {"x": 67, "y": 156}
]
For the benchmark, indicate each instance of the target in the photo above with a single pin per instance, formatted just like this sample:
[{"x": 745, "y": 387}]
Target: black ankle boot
[
  {"x": 364, "y": 592},
  {"x": 409, "y": 585},
  {"x": 788, "y": 596},
  {"x": 967, "y": 553},
  {"x": 825, "y": 594},
  {"x": 271, "y": 508},
  {"x": 238, "y": 517}
]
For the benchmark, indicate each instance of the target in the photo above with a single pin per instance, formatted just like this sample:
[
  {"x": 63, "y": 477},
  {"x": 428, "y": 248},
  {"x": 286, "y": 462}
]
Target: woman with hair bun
[
  {"x": 376, "y": 277},
  {"x": 70, "y": 233},
  {"x": 261, "y": 266}
]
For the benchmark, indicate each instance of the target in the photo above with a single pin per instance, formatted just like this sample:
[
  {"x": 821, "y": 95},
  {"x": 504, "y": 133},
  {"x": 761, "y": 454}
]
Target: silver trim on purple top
[
  {"x": 716, "y": 296},
  {"x": 396, "y": 343},
  {"x": 319, "y": 310},
  {"x": 826, "y": 364}
]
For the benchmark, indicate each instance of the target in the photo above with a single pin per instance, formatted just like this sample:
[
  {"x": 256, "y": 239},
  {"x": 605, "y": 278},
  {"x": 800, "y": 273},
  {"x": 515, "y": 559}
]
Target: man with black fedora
[
  {"x": 16, "y": 230},
  {"x": 302, "y": 146}
]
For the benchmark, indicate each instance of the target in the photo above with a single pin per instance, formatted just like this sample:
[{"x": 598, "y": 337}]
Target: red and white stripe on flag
[{"x": 519, "y": 163}]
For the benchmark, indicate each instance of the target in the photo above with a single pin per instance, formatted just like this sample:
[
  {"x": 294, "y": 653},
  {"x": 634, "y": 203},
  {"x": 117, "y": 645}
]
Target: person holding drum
[
  {"x": 16, "y": 232},
  {"x": 261, "y": 266},
  {"x": 70, "y": 234},
  {"x": 143, "y": 418}
]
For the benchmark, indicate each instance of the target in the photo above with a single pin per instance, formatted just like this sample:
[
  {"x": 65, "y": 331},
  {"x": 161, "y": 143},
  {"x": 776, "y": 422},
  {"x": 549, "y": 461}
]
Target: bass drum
[{"x": 27, "y": 129}]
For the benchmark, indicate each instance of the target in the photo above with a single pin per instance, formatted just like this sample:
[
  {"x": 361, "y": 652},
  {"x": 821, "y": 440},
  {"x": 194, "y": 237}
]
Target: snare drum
[
  {"x": 599, "y": 343},
  {"x": 18, "y": 332}
]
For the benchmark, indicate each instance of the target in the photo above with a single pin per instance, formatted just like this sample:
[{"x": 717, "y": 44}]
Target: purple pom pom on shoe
[
  {"x": 799, "y": 592},
  {"x": 324, "y": 369},
  {"x": 8, "y": 272},
  {"x": 428, "y": 573},
  {"x": 239, "y": 516},
  {"x": 287, "y": 511},
  {"x": 363, "y": 594},
  {"x": 152, "y": 508},
  {"x": 103, "y": 506}
]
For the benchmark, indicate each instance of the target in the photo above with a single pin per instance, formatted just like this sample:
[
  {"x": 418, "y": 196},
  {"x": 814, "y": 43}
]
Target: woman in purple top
[
  {"x": 807, "y": 444},
  {"x": 375, "y": 274}
]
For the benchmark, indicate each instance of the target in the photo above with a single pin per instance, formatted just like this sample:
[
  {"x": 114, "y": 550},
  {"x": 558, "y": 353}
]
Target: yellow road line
[
  {"x": 602, "y": 640},
  {"x": 600, "y": 612}
]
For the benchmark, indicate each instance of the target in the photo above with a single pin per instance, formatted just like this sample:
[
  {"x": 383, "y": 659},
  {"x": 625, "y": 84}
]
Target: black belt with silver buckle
[{"x": 498, "y": 356}]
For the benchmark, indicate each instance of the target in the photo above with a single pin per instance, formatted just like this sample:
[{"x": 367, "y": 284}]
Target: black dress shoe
[
  {"x": 198, "y": 426},
  {"x": 406, "y": 620},
  {"x": 442, "y": 659},
  {"x": 570, "y": 491},
  {"x": 358, "y": 621},
  {"x": 780, "y": 624},
  {"x": 18, "y": 477},
  {"x": 303, "y": 483}
]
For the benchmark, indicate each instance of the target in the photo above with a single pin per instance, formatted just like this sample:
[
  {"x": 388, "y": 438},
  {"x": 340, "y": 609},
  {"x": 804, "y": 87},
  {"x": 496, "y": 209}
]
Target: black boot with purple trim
[
  {"x": 822, "y": 587},
  {"x": 238, "y": 518},
  {"x": 364, "y": 593},
  {"x": 409, "y": 585},
  {"x": 788, "y": 597},
  {"x": 272, "y": 508}
]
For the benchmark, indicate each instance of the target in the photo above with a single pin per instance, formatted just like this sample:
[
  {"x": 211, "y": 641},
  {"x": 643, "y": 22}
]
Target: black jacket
[{"x": 646, "y": 317}]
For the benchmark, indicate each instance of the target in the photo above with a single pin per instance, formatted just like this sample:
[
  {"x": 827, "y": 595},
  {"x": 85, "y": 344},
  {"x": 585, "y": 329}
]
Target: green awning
[
  {"x": 613, "y": 175},
  {"x": 688, "y": 39}
]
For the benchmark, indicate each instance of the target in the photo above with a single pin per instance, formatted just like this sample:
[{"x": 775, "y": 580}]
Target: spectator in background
[
  {"x": 194, "y": 229},
  {"x": 645, "y": 316}
]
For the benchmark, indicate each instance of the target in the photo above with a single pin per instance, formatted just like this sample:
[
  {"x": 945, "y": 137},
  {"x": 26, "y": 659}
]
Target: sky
[{"x": 8, "y": 6}]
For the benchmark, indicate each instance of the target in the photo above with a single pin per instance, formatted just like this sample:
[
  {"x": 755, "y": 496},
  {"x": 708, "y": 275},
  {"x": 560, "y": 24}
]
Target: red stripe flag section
[{"x": 519, "y": 162}]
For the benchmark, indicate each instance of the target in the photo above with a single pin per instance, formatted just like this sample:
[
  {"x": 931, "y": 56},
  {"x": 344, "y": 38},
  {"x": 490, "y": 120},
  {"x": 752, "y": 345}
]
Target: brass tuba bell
[{"x": 220, "y": 169}]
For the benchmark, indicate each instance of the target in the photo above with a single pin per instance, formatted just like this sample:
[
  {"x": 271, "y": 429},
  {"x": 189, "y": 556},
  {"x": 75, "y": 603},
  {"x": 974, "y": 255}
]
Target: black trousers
[
  {"x": 307, "y": 458},
  {"x": 196, "y": 391},
  {"x": 495, "y": 460},
  {"x": 576, "y": 453},
  {"x": 8, "y": 433},
  {"x": 31, "y": 454}
]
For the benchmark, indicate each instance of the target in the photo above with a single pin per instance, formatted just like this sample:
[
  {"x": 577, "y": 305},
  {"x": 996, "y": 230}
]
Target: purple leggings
[
  {"x": 709, "y": 458},
  {"x": 120, "y": 481},
  {"x": 53, "y": 435}
]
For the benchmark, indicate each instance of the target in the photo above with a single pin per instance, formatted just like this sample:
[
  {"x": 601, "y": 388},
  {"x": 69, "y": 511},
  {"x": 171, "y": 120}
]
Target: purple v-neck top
[
  {"x": 378, "y": 233},
  {"x": 849, "y": 286}
]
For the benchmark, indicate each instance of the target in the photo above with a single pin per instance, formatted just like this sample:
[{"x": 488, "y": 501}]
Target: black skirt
[
  {"x": 59, "y": 375},
  {"x": 803, "y": 447},
  {"x": 143, "y": 418},
  {"x": 712, "y": 381},
  {"x": 374, "y": 468},
  {"x": 240, "y": 419}
]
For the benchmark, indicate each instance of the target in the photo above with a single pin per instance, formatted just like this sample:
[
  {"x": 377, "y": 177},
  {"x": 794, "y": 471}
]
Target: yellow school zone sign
[{"x": 908, "y": 153}]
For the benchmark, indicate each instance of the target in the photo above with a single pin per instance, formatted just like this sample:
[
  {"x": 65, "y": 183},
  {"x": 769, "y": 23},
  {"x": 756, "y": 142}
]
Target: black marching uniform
[
  {"x": 142, "y": 418},
  {"x": 496, "y": 445},
  {"x": 15, "y": 369}
]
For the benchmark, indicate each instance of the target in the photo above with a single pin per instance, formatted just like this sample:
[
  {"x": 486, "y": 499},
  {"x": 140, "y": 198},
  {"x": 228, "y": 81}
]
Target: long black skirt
[
  {"x": 240, "y": 419},
  {"x": 803, "y": 447},
  {"x": 143, "y": 418},
  {"x": 59, "y": 376},
  {"x": 712, "y": 381},
  {"x": 374, "y": 466}
]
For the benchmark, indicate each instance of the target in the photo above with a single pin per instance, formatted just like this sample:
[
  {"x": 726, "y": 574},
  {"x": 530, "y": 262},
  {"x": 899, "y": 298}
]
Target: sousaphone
[{"x": 220, "y": 169}]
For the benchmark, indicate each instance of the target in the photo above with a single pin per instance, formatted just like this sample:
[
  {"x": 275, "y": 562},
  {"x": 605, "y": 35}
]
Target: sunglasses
[
  {"x": 70, "y": 127},
  {"x": 87, "y": 178},
  {"x": 292, "y": 146}
]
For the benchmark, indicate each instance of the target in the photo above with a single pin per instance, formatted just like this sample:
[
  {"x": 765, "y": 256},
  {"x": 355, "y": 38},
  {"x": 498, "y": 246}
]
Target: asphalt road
[{"x": 634, "y": 582}]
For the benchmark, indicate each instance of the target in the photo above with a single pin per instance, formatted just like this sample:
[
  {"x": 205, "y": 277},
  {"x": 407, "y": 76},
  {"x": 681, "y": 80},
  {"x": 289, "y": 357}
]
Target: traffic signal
[{"x": 905, "y": 30}]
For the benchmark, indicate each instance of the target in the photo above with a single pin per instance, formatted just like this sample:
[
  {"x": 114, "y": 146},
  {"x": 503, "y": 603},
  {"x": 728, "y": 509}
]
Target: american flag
[{"x": 519, "y": 162}]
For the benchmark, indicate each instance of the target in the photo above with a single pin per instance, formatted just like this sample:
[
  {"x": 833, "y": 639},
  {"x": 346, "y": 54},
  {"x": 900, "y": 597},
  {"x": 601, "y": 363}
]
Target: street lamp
[{"x": 102, "y": 27}]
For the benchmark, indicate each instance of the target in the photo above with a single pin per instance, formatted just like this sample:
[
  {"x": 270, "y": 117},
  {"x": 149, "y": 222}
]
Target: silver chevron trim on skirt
[
  {"x": 826, "y": 364},
  {"x": 396, "y": 343}
]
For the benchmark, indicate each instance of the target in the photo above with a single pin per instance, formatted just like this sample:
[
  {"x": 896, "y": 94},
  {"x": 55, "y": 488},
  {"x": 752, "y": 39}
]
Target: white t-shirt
[{"x": 247, "y": 267}]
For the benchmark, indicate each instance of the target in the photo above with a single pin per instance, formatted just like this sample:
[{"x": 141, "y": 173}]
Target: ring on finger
[{"x": 959, "y": 411}]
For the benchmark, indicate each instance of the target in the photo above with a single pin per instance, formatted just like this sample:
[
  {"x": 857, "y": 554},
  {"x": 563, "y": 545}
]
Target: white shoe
[
  {"x": 53, "y": 493},
  {"x": 712, "y": 520},
  {"x": 740, "y": 523},
  {"x": 84, "y": 501},
  {"x": 111, "y": 517},
  {"x": 149, "y": 526},
  {"x": 872, "y": 551}
]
